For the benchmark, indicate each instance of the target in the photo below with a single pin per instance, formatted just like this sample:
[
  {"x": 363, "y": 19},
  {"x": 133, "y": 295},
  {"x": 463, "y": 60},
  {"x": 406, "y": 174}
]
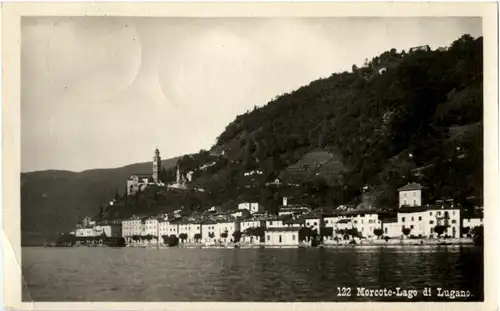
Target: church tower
[{"x": 156, "y": 166}]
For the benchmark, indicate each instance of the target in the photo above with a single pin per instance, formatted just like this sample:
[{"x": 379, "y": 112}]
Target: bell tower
[{"x": 156, "y": 166}]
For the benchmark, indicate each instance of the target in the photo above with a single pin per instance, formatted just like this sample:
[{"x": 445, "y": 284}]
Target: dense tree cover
[{"x": 419, "y": 119}]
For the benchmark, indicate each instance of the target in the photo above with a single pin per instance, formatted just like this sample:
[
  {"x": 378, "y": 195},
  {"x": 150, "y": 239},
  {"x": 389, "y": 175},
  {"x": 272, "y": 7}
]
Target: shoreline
[{"x": 363, "y": 244}]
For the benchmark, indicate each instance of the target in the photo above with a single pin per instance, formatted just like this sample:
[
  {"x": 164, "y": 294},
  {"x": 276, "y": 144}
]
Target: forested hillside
[{"x": 404, "y": 116}]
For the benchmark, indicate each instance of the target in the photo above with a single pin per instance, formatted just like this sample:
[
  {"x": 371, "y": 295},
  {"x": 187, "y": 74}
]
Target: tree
[
  {"x": 171, "y": 240},
  {"x": 224, "y": 234},
  {"x": 378, "y": 232},
  {"x": 478, "y": 235},
  {"x": 465, "y": 230},
  {"x": 440, "y": 229},
  {"x": 326, "y": 231},
  {"x": 183, "y": 237},
  {"x": 197, "y": 237},
  {"x": 211, "y": 235},
  {"x": 305, "y": 233},
  {"x": 236, "y": 236},
  {"x": 406, "y": 231}
]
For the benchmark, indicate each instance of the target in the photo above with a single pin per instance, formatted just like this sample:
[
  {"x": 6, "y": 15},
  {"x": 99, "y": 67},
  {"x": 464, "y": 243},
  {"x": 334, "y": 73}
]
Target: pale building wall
[
  {"x": 410, "y": 198},
  {"x": 206, "y": 229},
  {"x": 131, "y": 227},
  {"x": 472, "y": 222},
  {"x": 423, "y": 222},
  {"x": 282, "y": 238},
  {"x": 391, "y": 229},
  {"x": 109, "y": 230},
  {"x": 274, "y": 224}
]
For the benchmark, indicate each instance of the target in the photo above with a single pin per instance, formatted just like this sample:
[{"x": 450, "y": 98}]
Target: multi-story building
[
  {"x": 109, "y": 230},
  {"x": 132, "y": 227},
  {"x": 253, "y": 208},
  {"x": 224, "y": 230},
  {"x": 208, "y": 231},
  {"x": 282, "y": 236},
  {"x": 410, "y": 195},
  {"x": 252, "y": 223},
  {"x": 422, "y": 220}
]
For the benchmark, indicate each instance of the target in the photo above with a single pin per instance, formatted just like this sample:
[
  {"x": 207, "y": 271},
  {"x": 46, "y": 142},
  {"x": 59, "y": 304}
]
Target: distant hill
[{"x": 54, "y": 201}]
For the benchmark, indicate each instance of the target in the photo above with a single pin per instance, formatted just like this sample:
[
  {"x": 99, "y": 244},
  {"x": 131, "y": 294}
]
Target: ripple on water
[{"x": 128, "y": 274}]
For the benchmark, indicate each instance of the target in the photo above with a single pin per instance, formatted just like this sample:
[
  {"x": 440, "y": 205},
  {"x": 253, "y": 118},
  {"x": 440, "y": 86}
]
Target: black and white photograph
[{"x": 252, "y": 159}]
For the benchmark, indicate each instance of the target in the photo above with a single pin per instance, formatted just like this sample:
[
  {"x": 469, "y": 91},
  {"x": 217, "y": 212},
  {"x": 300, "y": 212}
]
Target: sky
[{"x": 104, "y": 92}]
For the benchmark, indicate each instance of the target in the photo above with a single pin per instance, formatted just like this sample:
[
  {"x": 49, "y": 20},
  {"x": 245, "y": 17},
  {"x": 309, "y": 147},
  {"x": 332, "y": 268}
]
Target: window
[
  {"x": 385, "y": 230},
  {"x": 404, "y": 194},
  {"x": 412, "y": 219},
  {"x": 315, "y": 223},
  {"x": 271, "y": 223},
  {"x": 326, "y": 221},
  {"x": 411, "y": 227},
  {"x": 280, "y": 238},
  {"x": 414, "y": 202},
  {"x": 430, "y": 213},
  {"x": 439, "y": 213},
  {"x": 403, "y": 219},
  {"x": 293, "y": 237},
  {"x": 414, "y": 193},
  {"x": 404, "y": 202},
  {"x": 453, "y": 221},
  {"x": 269, "y": 238},
  {"x": 431, "y": 222},
  {"x": 362, "y": 229}
]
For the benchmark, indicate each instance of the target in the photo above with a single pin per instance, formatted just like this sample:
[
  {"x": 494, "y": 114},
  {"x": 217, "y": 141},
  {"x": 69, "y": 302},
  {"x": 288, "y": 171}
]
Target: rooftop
[
  {"x": 286, "y": 229},
  {"x": 410, "y": 187}
]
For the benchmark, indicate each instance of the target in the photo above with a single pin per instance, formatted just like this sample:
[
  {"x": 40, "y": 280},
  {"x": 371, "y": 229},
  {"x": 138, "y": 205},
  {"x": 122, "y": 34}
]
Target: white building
[
  {"x": 208, "y": 231},
  {"x": 224, "y": 230},
  {"x": 253, "y": 208},
  {"x": 366, "y": 222},
  {"x": 252, "y": 223},
  {"x": 84, "y": 232},
  {"x": 422, "y": 221},
  {"x": 391, "y": 228},
  {"x": 472, "y": 219},
  {"x": 282, "y": 236},
  {"x": 192, "y": 229},
  {"x": 131, "y": 227},
  {"x": 109, "y": 230},
  {"x": 410, "y": 195}
]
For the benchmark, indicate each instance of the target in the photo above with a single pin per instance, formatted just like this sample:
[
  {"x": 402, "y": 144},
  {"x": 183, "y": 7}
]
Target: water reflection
[{"x": 89, "y": 274}]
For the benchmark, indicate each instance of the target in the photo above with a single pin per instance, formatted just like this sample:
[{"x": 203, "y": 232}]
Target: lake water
[{"x": 132, "y": 274}]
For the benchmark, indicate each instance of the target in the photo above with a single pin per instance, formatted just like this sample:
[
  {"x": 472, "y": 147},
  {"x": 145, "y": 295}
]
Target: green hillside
[{"x": 404, "y": 116}]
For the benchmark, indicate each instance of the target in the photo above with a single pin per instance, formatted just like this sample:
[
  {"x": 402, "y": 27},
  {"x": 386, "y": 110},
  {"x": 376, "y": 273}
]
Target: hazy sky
[{"x": 104, "y": 92}]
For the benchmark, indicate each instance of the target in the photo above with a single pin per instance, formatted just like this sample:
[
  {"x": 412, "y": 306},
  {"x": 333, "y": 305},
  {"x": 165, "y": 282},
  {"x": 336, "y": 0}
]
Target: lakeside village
[{"x": 295, "y": 225}]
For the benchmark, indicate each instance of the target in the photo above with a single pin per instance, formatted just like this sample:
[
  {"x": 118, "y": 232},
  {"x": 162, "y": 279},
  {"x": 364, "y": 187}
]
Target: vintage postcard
[{"x": 250, "y": 155}]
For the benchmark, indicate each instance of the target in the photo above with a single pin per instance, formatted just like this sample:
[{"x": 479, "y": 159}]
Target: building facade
[{"x": 410, "y": 195}]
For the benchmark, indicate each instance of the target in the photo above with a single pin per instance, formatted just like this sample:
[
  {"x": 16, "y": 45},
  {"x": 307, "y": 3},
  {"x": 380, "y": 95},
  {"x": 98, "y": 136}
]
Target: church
[{"x": 138, "y": 182}]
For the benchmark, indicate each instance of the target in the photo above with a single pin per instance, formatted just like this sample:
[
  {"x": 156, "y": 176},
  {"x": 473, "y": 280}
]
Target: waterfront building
[
  {"x": 110, "y": 230},
  {"x": 208, "y": 231},
  {"x": 277, "y": 222},
  {"x": 391, "y": 228},
  {"x": 131, "y": 227},
  {"x": 472, "y": 219},
  {"x": 252, "y": 223},
  {"x": 84, "y": 231},
  {"x": 422, "y": 220},
  {"x": 224, "y": 230},
  {"x": 191, "y": 228},
  {"x": 282, "y": 236},
  {"x": 366, "y": 222}
]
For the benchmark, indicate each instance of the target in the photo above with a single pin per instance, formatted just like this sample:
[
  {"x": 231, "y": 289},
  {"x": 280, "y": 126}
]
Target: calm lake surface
[{"x": 132, "y": 274}]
